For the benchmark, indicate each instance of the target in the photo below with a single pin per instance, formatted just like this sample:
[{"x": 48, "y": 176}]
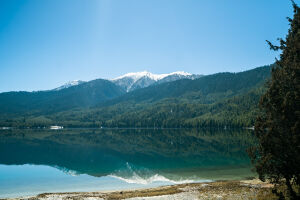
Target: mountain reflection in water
[{"x": 179, "y": 153}]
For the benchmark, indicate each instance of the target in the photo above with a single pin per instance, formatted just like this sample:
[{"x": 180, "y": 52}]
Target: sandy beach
[{"x": 247, "y": 189}]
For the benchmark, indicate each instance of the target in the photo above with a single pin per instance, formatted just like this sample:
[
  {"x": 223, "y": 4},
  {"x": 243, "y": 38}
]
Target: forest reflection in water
[{"x": 177, "y": 153}]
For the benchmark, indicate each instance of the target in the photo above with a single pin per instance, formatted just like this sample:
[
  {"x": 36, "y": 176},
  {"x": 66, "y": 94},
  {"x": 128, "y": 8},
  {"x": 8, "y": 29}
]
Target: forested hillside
[
  {"x": 45, "y": 102},
  {"x": 223, "y": 99},
  {"x": 207, "y": 89}
]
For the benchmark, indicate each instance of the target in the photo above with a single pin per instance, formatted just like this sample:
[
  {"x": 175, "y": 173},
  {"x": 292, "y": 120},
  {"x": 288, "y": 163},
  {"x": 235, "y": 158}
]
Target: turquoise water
[
  {"x": 38, "y": 161},
  {"x": 29, "y": 180}
]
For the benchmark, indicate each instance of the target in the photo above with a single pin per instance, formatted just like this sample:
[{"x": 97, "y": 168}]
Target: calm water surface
[{"x": 37, "y": 161}]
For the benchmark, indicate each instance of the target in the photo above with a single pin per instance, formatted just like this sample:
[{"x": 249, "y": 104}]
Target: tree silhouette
[{"x": 277, "y": 156}]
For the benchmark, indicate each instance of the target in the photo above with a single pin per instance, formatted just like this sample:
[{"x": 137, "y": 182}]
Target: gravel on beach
[{"x": 235, "y": 190}]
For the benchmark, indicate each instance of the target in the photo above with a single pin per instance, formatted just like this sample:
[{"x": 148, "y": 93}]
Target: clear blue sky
[{"x": 45, "y": 43}]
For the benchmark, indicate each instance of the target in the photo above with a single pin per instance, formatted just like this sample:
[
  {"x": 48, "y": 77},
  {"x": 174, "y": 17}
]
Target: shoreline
[{"x": 244, "y": 189}]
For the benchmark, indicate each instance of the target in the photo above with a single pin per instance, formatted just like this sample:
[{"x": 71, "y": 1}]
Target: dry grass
[{"x": 167, "y": 190}]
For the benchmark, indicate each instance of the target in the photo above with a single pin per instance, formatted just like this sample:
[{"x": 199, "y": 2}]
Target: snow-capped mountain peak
[
  {"x": 69, "y": 84},
  {"x": 137, "y": 75},
  {"x": 136, "y": 80},
  {"x": 182, "y": 73}
]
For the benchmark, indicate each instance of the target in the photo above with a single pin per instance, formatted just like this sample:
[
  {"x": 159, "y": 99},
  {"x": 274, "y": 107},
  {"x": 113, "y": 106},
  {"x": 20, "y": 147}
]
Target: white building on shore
[{"x": 56, "y": 127}]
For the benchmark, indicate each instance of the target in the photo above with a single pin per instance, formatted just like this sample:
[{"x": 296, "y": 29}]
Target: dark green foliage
[
  {"x": 278, "y": 126},
  {"x": 238, "y": 111}
]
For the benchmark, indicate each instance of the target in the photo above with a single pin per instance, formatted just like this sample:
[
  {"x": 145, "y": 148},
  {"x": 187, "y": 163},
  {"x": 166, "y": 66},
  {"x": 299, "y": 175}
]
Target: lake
[{"x": 69, "y": 160}]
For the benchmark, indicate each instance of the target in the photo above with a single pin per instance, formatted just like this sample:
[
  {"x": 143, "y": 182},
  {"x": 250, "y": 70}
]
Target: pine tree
[{"x": 277, "y": 156}]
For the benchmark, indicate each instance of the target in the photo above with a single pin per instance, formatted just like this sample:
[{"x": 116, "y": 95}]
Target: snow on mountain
[
  {"x": 133, "y": 81},
  {"x": 137, "y": 75},
  {"x": 69, "y": 84}
]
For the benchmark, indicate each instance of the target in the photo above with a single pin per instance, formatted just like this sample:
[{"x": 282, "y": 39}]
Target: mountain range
[
  {"x": 137, "y": 80},
  {"x": 79, "y": 93},
  {"x": 141, "y": 99},
  {"x": 133, "y": 81}
]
